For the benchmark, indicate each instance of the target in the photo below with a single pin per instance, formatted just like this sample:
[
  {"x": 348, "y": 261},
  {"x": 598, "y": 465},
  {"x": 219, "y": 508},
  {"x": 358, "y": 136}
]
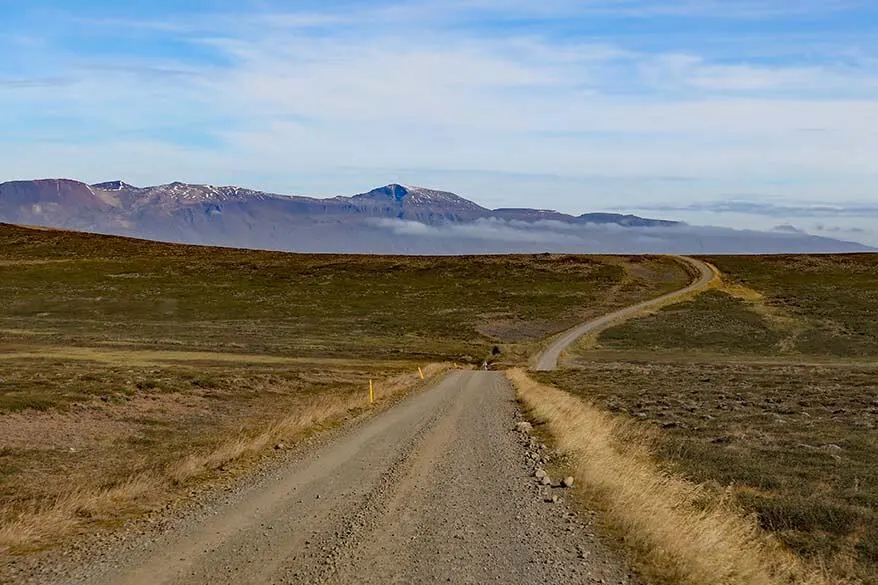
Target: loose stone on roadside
[
  {"x": 524, "y": 427},
  {"x": 567, "y": 482}
]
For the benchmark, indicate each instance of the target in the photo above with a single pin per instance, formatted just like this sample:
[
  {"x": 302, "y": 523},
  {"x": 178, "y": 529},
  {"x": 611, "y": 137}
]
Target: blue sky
[{"x": 728, "y": 112}]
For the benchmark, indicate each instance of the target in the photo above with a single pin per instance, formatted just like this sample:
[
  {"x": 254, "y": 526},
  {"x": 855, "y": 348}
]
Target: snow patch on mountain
[
  {"x": 412, "y": 196},
  {"x": 114, "y": 186}
]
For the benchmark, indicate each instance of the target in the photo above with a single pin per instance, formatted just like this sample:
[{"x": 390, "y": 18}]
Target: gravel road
[
  {"x": 439, "y": 488},
  {"x": 548, "y": 359}
]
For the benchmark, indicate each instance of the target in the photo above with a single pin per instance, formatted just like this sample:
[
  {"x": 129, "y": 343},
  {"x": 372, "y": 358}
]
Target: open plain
[
  {"x": 169, "y": 427},
  {"x": 136, "y": 375}
]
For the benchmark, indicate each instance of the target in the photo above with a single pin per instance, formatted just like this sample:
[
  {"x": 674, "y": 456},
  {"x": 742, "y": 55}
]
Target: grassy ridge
[
  {"x": 84, "y": 289},
  {"x": 766, "y": 389}
]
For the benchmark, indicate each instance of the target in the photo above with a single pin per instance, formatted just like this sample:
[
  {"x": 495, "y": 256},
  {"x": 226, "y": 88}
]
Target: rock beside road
[{"x": 524, "y": 427}]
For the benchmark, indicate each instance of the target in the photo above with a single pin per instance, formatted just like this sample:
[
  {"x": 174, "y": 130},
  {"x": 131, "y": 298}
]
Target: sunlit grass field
[{"x": 765, "y": 389}]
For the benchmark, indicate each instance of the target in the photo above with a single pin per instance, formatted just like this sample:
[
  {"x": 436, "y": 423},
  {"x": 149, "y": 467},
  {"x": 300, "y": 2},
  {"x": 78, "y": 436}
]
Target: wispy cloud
[
  {"x": 34, "y": 82},
  {"x": 719, "y": 9},
  {"x": 772, "y": 210}
]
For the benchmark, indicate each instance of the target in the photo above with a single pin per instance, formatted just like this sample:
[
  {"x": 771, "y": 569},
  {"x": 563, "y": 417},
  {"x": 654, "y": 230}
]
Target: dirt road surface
[
  {"x": 548, "y": 359},
  {"x": 436, "y": 489}
]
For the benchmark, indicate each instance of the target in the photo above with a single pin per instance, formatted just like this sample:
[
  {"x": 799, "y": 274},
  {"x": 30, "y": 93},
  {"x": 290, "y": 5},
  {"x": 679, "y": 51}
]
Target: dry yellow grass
[
  {"x": 49, "y": 521},
  {"x": 319, "y": 410},
  {"x": 676, "y": 532},
  {"x": 65, "y": 515},
  {"x": 146, "y": 357},
  {"x": 4, "y": 263},
  {"x": 780, "y": 319}
]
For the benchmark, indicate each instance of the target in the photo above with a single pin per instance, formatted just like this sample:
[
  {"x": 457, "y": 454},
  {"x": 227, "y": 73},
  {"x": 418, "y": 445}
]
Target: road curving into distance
[
  {"x": 547, "y": 360},
  {"x": 439, "y": 488}
]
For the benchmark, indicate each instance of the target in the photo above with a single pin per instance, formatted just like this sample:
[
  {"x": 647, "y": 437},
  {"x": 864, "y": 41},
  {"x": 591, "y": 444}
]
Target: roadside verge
[
  {"x": 81, "y": 509},
  {"x": 675, "y": 531}
]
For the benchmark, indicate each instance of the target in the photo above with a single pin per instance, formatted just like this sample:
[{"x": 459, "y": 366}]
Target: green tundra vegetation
[{"x": 765, "y": 389}]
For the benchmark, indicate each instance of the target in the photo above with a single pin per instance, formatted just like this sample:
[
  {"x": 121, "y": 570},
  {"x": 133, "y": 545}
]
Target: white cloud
[
  {"x": 544, "y": 235},
  {"x": 676, "y": 71},
  {"x": 499, "y": 230},
  {"x": 554, "y": 9}
]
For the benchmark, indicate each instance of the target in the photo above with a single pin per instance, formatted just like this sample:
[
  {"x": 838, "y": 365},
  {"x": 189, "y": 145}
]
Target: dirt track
[
  {"x": 548, "y": 359},
  {"x": 436, "y": 489}
]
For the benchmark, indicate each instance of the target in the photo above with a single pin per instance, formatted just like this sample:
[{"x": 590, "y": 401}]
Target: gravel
[{"x": 439, "y": 488}]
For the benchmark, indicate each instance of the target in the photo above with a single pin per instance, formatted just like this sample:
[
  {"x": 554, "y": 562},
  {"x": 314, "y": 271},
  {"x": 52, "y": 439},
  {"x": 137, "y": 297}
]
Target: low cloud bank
[
  {"x": 498, "y": 236},
  {"x": 770, "y": 209}
]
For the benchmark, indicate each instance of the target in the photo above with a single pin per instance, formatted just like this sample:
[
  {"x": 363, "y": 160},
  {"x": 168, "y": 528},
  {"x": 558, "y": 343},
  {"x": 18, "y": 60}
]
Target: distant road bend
[
  {"x": 438, "y": 488},
  {"x": 548, "y": 359}
]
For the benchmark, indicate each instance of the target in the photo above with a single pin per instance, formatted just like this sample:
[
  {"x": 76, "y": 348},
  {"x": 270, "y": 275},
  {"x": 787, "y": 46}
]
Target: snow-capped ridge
[
  {"x": 410, "y": 195},
  {"x": 117, "y": 185}
]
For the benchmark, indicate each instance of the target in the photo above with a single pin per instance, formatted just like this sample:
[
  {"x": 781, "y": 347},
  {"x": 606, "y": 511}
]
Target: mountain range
[{"x": 394, "y": 219}]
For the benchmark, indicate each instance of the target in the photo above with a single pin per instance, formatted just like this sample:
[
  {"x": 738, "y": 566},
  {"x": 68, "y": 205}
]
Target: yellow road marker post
[
  {"x": 371, "y": 393},
  {"x": 421, "y": 372}
]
